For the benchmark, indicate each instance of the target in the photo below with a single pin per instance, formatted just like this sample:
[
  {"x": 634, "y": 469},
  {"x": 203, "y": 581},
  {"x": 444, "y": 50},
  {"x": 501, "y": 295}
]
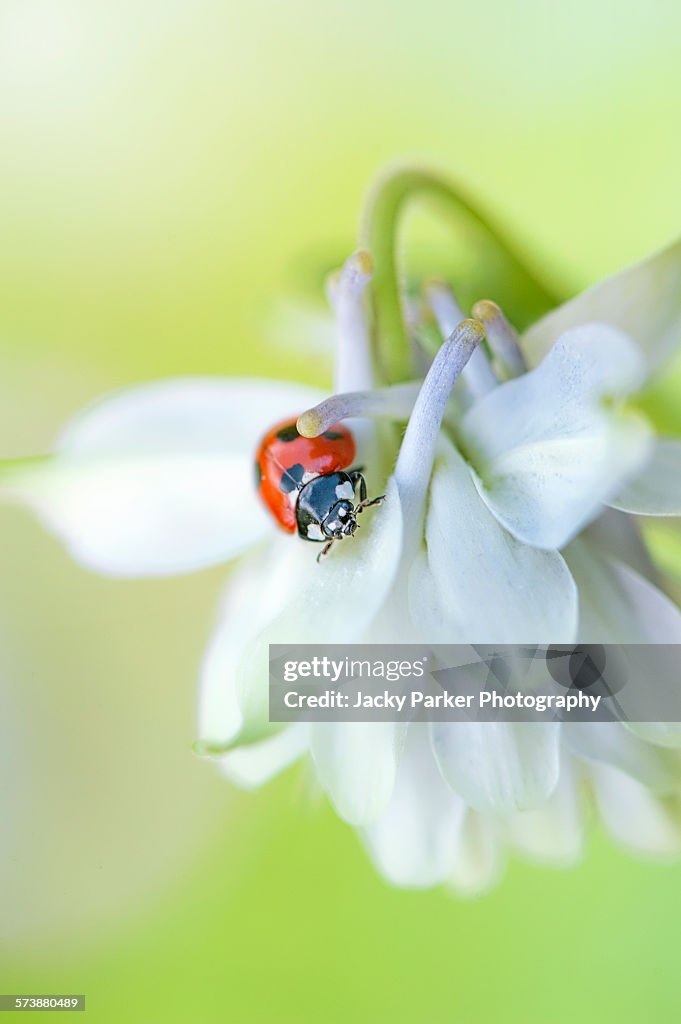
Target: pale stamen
[
  {"x": 415, "y": 461},
  {"x": 502, "y": 338},
  {"x": 345, "y": 290},
  {"x": 478, "y": 375},
  {"x": 395, "y": 403}
]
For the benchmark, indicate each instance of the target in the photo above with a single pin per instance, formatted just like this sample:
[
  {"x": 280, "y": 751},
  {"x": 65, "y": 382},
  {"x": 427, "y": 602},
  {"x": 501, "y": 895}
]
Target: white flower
[{"x": 500, "y": 525}]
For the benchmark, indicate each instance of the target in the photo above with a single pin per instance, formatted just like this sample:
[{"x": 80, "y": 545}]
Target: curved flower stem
[{"x": 379, "y": 235}]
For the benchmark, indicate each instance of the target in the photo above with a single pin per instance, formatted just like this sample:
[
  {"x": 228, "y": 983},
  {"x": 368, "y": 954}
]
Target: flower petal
[
  {"x": 158, "y": 479},
  {"x": 547, "y": 448},
  {"x": 611, "y": 743},
  {"x": 479, "y": 860},
  {"x": 356, "y": 763},
  {"x": 187, "y": 414},
  {"x": 281, "y": 595},
  {"x": 639, "y": 820},
  {"x": 256, "y": 763},
  {"x": 617, "y": 535},
  {"x": 334, "y": 602},
  {"x": 477, "y": 583},
  {"x": 662, "y": 734},
  {"x": 620, "y": 606},
  {"x": 257, "y": 591},
  {"x": 148, "y": 516},
  {"x": 415, "y": 840},
  {"x": 553, "y": 834},
  {"x": 616, "y": 604},
  {"x": 643, "y": 300},
  {"x": 499, "y": 766},
  {"x": 656, "y": 490}
]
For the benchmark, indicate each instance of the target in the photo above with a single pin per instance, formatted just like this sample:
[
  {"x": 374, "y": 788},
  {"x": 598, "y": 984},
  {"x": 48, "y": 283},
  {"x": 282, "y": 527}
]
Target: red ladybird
[{"x": 303, "y": 482}]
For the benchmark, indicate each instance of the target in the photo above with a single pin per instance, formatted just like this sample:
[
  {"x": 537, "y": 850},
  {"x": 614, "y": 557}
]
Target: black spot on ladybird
[
  {"x": 332, "y": 435},
  {"x": 291, "y": 478},
  {"x": 288, "y": 433}
]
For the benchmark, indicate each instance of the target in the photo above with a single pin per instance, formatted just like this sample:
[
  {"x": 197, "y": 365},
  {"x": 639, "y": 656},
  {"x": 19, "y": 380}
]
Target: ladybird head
[{"x": 341, "y": 521}]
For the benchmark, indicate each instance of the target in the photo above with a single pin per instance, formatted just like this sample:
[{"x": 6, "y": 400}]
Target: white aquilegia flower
[{"x": 507, "y": 519}]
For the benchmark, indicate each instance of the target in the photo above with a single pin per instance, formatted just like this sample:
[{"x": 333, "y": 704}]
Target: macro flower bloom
[{"x": 506, "y": 520}]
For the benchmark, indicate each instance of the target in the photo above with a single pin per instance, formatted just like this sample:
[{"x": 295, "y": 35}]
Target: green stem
[{"x": 379, "y": 235}]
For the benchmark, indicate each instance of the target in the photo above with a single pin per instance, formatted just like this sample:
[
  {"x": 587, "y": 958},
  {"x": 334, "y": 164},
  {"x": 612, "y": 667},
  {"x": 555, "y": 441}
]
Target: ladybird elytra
[{"x": 307, "y": 483}]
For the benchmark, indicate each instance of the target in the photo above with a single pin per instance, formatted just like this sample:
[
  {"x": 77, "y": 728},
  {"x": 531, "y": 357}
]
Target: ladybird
[{"x": 306, "y": 484}]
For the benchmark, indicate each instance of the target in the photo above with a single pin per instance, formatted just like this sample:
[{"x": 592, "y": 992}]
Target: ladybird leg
[
  {"x": 358, "y": 479},
  {"x": 372, "y": 501},
  {"x": 325, "y": 551}
]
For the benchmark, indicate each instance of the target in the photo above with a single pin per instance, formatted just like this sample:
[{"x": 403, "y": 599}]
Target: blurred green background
[{"x": 175, "y": 179}]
